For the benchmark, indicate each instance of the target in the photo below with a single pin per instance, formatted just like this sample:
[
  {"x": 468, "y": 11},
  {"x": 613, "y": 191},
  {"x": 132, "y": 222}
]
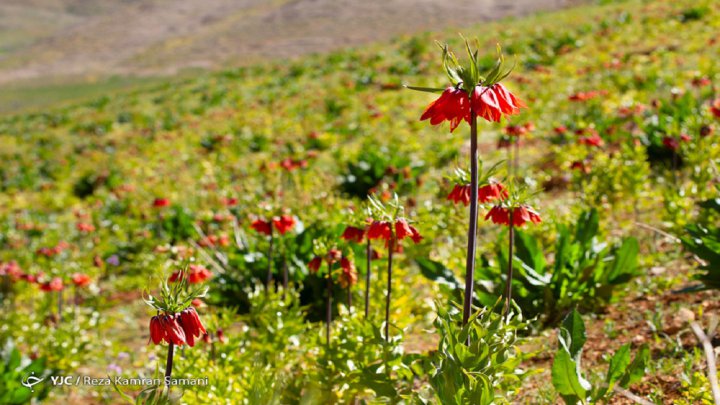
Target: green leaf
[
  {"x": 425, "y": 89},
  {"x": 618, "y": 365},
  {"x": 636, "y": 370},
  {"x": 437, "y": 272},
  {"x": 625, "y": 262},
  {"x": 566, "y": 378},
  {"x": 587, "y": 226},
  {"x": 575, "y": 330}
]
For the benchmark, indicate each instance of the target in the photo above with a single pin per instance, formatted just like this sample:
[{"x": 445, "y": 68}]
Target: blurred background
[{"x": 58, "y": 50}]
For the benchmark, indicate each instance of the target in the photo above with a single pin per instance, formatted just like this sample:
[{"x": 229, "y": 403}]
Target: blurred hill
[{"x": 71, "y": 38}]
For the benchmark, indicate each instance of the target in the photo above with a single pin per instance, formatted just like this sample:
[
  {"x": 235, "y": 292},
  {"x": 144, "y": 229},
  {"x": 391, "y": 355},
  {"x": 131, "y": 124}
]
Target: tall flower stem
[
  {"x": 391, "y": 248},
  {"x": 508, "y": 281},
  {"x": 516, "y": 161},
  {"x": 349, "y": 291},
  {"x": 472, "y": 228},
  {"x": 328, "y": 310},
  {"x": 270, "y": 261},
  {"x": 368, "y": 252},
  {"x": 168, "y": 365},
  {"x": 285, "y": 277},
  {"x": 59, "y": 305}
]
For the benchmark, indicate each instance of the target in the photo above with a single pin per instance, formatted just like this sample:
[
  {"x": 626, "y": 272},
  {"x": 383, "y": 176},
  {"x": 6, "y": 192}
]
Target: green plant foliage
[
  {"x": 487, "y": 370},
  {"x": 567, "y": 374},
  {"x": 584, "y": 274}
]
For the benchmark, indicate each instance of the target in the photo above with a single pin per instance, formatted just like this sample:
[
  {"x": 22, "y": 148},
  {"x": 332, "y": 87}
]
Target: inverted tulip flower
[
  {"x": 282, "y": 224},
  {"x": 489, "y": 190},
  {"x": 176, "y": 323},
  {"x": 514, "y": 211},
  {"x": 390, "y": 225},
  {"x": 472, "y": 95}
]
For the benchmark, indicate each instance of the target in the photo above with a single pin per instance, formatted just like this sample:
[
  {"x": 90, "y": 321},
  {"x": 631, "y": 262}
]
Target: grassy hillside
[{"x": 201, "y": 141}]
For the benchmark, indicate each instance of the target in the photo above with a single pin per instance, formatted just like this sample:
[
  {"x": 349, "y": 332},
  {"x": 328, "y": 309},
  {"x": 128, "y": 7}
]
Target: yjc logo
[{"x": 31, "y": 381}]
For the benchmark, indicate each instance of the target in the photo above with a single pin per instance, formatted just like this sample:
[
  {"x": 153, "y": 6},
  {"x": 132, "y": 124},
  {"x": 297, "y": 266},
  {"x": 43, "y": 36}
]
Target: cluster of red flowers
[
  {"x": 715, "y": 108},
  {"x": 11, "y": 270},
  {"x": 177, "y": 329},
  {"x": 673, "y": 143},
  {"x": 85, "y": 227},
  {"x": 161, "y": 202},
  {"x": 521, "y": 214},
  {"x": 589, "y": 137},
  {"x": 383, "y": 230},
  {"x": 292, "y": 164},
  {"x": 518, "y": 130},
  {"x": 348, "y": 275},
  {"x": 215, "y": 240},
  {"x": 229, "y": 201},
  {"x": 494, "y": 190},
  {"x": 53, "y": 251},
  {"x": 353, "y": 234},
  {"x": 55, "y": 284},
  {"x": 581, "y": 166},
  {"x": 282, "y": 224},
  {"x": 587, "y": 95},
  {"x": 490, "y": 103},
  {"x": 195, "y": 274},
  {"x": 80, "y": 279}
]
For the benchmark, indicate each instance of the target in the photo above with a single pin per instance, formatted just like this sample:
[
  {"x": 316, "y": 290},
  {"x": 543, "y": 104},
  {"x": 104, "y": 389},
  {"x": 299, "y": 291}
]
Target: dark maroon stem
[
  {"x": 285, "y": 277},
  {"x": 508, "y": 281},
  {"x": 472, "y": 228},
  {"x": 328, "y": 313},
  {"x": 60, "y": 301},
  {"x": 168, "y": 365},
  {"x": 270, "y": 262},
  {"x": 391, "y": 248},
  {"x": 349, "y": 296},
  {"x": 367, "y": 278}
]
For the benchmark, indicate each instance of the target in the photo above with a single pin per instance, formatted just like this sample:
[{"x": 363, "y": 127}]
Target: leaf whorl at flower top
[{"x": 484, "y": 95}]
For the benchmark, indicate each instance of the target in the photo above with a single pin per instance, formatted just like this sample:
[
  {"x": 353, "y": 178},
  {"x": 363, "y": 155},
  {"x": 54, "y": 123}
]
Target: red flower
[
  {"x": 262, "y": 227},
  {"x": 197, "y": 303},
  {"x": 453, "y": 105},
  {"x": 174, "y": 333},
  {"x": 587, "y": 95},
  {"x": 460, "y": 194},
  {"x": 220, "y": 336},
  {"x": 561, "y": 129},
  {"x": 353, "y": 234},
  {"x": 161, "y": 202},
  {"x": 498, "y": 215},
  {"x": 581, "y": 166},
  {"x": 230, "y": 201},
  {"x": 685, "y": 137},
  {"x": 334, "y": 255},
  {"x": 12, "y": 270},
  {"x": 491, "y": 103},
  {"x": 715, "y": 108},
  {"x": 157, "y": 331},
  {"x": 348, "y": 276},
  {"x": 491, "y": 191},
  {"x": 315, "y": 264},
  {"x": 80, "y": 280},
  {"x": 284, "y": 223},
  {"x": 191, "y": 325},
  {"x": 404, "y": 230},
  {"x": 671, "y": 143},
  {"x": 85, "y": 227},
  {"x": 521, "y": 215},
  {"x": 379, "y": 230},
  {"x": 55, "y": 284},
  {"x": 515, "y": 130},
  {"x": 592, "y": 140},
  {"x": 494, "y": 190},
  {"x": 195, "y": 274}
]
